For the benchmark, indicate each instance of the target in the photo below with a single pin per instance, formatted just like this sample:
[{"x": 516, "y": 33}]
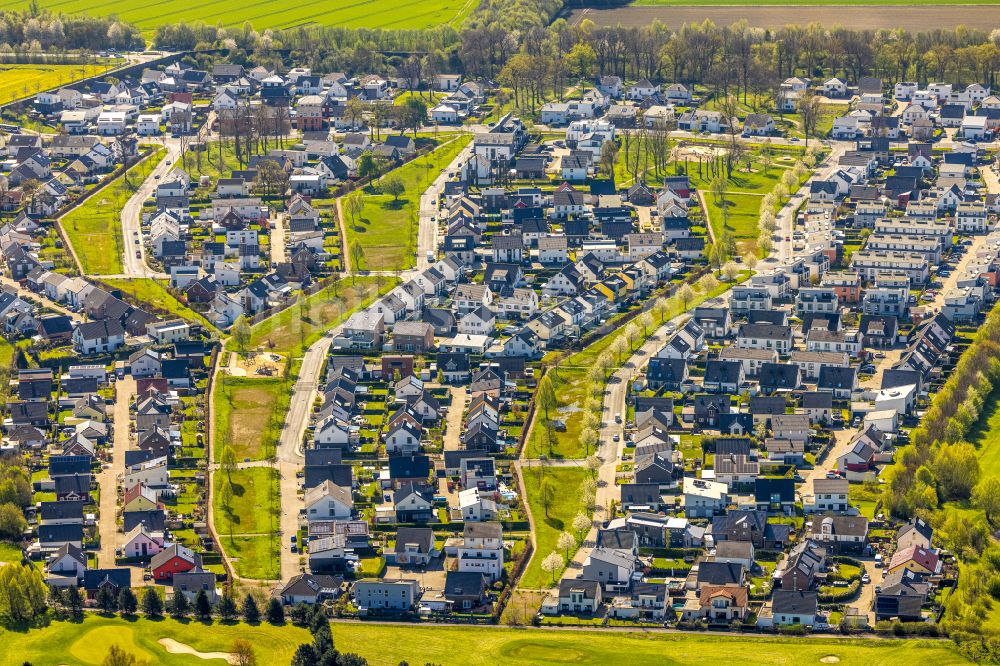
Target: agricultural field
[
  {"x": 920, "y": 15},
  {"x": 24, "y": 80},
  {"x": 85, "y": 643},
  {"x": 154, "y": 294},
  {"x": 272, "y": 14},
  {"x": 293, "y": 329},
  {"x": 94, "y": 227},
  {"x": 387, "y": 227},
  {"x": 248, "y": 416}
]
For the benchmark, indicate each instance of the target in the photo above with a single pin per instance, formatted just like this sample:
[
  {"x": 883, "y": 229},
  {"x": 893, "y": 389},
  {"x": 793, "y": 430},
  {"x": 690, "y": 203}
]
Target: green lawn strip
[
  {"x": 387, "y": 228},
  {"x": 292, "y": 330},
  {"x": 85, "y": 643},
  {"x": 253, "y": 510},
  {"x": 154, "y": 294},
  {"x": 256, "y": 557},
  {"x": 94, "y": 227},
  {"x": 248, "y": 413},
  {"x": 567, "y": 482},
  {"x": 6, "y": 353},
  {"x": 986, "y": 435},
  {"x": 570, "y": 384}
]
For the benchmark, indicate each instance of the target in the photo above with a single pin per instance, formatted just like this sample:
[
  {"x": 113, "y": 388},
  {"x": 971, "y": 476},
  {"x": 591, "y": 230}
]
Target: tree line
[{"x": 36, "y": 30}]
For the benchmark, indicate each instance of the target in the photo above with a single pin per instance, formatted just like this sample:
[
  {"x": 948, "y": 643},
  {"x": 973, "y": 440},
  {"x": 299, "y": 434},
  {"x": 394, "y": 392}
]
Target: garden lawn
[
  {"x": 153, "y": 293},
  {"x": 986, "y": 435},
  {"x": 253, "y": 510},
  {"x": 94, "y": 227},
  {"x": 24, "y": 80},
  {"x": 293, "y": 329},
  {"x": 387, "y": 228},
  {"x": 248, "y": 415},
  {"x": 9, "y": 552},
  {"x": 567, "y": 482},
  {"x": 6, "y": 353},
  {"x": 86, "y": 643}
]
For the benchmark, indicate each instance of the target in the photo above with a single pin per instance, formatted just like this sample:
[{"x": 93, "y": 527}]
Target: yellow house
[
  {"x": 139, "y": 498},
  {"x": 917, "y": 559}
]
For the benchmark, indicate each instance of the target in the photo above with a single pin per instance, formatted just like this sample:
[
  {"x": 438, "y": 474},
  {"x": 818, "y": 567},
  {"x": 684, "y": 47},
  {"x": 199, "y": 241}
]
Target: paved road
[
  {"x": 132, "y": 213},
  {"x": 125, "y": 391},
  {"x": 29, "y": 295},
  {"x": 290, "y": 446}
]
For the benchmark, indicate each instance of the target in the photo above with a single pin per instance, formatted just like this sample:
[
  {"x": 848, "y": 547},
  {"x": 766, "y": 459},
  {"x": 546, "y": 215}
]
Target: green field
[
  {"x": 793, "y": 3},
  {"x": 293, "y": 329},
  {"x": 248, "y": 416},
  {"x": 86, "y": 643},
  {"x": 274, "y": 14},
  {"x": 154, "y": 294},
  {"x": 387, "y": 229},
  {"x": 94, "y": 227},
  {"x": 567, "y": 481},
  {"x": 23, "y": 80},
  {"x": 254, "y": 510}
]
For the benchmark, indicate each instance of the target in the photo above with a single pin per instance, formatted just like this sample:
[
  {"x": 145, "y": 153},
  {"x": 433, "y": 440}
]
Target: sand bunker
[
  {"x": 830, "y": 659},
  {"x": 174, "y": 647}
]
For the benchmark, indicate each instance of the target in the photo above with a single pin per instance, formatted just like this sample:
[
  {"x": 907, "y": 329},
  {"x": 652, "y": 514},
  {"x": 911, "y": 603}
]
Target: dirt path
[{"x": 453, "y": 429}]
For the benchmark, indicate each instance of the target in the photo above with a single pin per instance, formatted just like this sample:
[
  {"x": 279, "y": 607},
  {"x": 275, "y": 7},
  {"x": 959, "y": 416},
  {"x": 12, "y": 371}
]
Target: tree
[
  {"x": 393, "y": 185},
  {"x": 119, "y": 657},
  {"x": 594, "y": 465},
  {"x": 589, "y": 438},
  {"x": 12, "y": 522},
  {"x": 179, "y": 606},
  {"x": 631, "y": 334},
  {"x": 686, "y": 295},
  {"x": 548, "y": 495},
  {"x": 619, "y": 347},
  {"x": 708, "y": 283},
  {"x": 809, "y": 111},
  {"x": 552, "y": 563},
  {"x": 228, "y": 463},
  {"x": 718, "y": 189},
  {"x": 413, "y": 114},
  {"x": 305, "y": 655},
  {"x": 956, "y": 467},
  {"x": 565, "y": 542},
  {"x": 227, "y": 607},
  {"x": 646, "y": 321},
  {"x": 546, "y": 396},
  {"x": 152, "y": 605},
  {"x": 354, "y": 111},
  {"x": 250, "y": 611},
  {"x": 609, "y": 155},
  {"x": 106, "y": 601},
  {"x": 750, "y": 259},
  {"x": 23, "y": 595},
  {"x": 74, "y": 601},
  {"x": 241, "y": 333},
  {"x": 730, "y": 271},
  {"x": 357, "y": 254},
  {"x": 271, "y": 178},
  {"x": 202, "y": 606},
  {"x": 581, "y": 523},
  {"x": 242, "y": 653},
  {"x": 127, "y": 603},
  {"x": 986, "y": 496},
  {"x": 367, "y": 165},
  {"x": 661, "y": 308},
  {"x": 354, "y": 204},
  {"x": 275, "y": 612}
]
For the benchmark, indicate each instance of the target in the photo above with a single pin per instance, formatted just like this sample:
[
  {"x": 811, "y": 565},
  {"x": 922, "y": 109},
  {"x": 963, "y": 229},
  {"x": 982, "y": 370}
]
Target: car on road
[
  {"x": 138, "y": 254},
  {"x": 618, "y": 418},
  {"x": 615, "y": 437},
  {"x": 866, "y": 579}
]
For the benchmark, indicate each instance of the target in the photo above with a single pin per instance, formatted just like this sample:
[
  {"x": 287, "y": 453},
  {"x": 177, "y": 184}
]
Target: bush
[{"x": 837, "y": 594}]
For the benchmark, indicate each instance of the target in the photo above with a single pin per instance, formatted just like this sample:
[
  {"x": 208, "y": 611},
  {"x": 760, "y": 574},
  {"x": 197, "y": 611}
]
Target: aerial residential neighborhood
[{"x": 311, "y": 341}]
